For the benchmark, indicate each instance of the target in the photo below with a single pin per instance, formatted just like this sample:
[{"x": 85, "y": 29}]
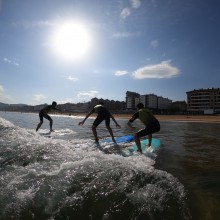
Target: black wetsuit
[
  {"x": 103, "y": 114},
  {"x": 152, "y": 125},
  {"x": 43, "y": 112}
]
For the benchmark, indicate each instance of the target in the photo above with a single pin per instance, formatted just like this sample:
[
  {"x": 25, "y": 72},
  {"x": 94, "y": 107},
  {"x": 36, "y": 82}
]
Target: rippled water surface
[{"x": 62, "y": 175}]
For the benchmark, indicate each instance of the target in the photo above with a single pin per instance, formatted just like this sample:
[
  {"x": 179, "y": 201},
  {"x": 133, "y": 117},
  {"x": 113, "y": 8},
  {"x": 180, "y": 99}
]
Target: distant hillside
[
  {"x": 3, "y": 104},
  {"x": 114, "y": 106},
  {"x": 12, "y": 107},
  {"x": 16, "y": 105}
]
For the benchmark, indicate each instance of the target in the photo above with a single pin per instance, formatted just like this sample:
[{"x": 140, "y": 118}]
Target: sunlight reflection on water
[{"x": 190, "y": 151}]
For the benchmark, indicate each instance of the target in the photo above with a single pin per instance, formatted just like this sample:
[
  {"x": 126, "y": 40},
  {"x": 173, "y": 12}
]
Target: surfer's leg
[
  {"x": 137, "y": 142},
  {"x": 150, "y": 129},
  {"x": 107, "y": 124},
  {"x": 41, "y": 121},
  {"x": 138, "y": 135},
  {"x": 150, "y": 139},
  {"x": 111, "y": 133},
  {"x": 51, "y": 125},
  {"x": 95, "y": 133},
  {"x": 97, "y": 121},
  {"x": 39, "y": 125},
  {"x": 51, "y": 121}
]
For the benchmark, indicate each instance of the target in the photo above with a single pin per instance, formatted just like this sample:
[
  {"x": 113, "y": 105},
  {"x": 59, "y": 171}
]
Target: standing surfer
[
  {"x": 44, "y": 114},
  {"x": 102, "y": 114},
  {"x": 152, "y": 125}
]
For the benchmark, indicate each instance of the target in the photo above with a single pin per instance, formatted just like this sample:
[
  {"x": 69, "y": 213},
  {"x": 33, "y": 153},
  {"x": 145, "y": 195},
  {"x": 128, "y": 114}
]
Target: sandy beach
[
  {"x": 191, "y": 118},
  {"x": 195, "y": 118}
]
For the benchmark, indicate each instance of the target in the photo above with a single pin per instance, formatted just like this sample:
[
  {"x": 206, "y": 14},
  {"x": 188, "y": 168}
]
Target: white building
[
  {"x": 149, "y": 101},
  {"x": 204, "y": 100},
  {"x": 163, "y": 103},
  {"x": 132, "y": 99},
  {"x": 155, "y": 102},
  {"x": 129, "y": 102}
]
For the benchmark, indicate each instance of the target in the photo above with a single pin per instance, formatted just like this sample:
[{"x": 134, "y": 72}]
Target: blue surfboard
[
  {"x": 121, "y": 139},
  {"x": 155, "y": 145}
]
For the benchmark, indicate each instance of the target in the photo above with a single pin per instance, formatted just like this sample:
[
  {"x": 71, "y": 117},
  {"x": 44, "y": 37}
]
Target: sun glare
[{"x": 71, "y": 41}]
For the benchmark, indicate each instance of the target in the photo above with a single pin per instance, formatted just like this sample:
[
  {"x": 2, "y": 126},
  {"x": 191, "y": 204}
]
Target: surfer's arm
[
  {"x": 57, "y": 109},
  {"x": 82, "y": 122},
  {"x": 46, "y": 109},
  {"x": 130, "y": 122},
  {"x": 129, "y": 125},
  {"x": 116, "y": 123}
]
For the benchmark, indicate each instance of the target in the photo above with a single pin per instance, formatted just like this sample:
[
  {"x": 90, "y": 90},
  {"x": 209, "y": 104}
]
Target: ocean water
[{"x": 63, "y": 175}]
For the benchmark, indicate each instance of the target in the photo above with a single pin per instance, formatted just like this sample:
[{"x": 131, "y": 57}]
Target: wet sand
[
  {"x": 191, "y": 118},
  {"x": 183, "y": 118}
]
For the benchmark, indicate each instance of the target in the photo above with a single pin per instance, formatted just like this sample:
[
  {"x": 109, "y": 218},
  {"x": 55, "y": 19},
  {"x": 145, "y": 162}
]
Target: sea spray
[{"x": 50, "y": 178}]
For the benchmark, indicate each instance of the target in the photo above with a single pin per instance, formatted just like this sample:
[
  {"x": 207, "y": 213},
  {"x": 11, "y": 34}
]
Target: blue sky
[{"x": 74, "y": 50}]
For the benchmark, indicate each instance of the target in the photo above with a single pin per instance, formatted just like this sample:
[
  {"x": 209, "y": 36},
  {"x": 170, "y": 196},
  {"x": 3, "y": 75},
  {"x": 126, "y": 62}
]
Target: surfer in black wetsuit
[
  {"x": 102, "y": 114},
  {"x": 44, "y": 114},
  {"x": 152, "y": 125}
]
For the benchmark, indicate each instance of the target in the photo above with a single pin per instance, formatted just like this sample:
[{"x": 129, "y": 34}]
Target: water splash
[{"x": 51, "y": 178}]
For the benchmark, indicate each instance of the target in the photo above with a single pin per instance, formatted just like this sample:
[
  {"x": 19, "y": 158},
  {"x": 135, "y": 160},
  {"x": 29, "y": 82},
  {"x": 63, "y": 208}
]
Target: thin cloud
[
  {"x": 125, "y": 34},
  {"x": 122, "y": 35},
  {"x": 74, "y": 79},
  {"x": 6, "y": 60},
  {"x": 135, "y": 3},
  {"x": 154, "y": 44},
  {"x": 121, "y": 72},
  {"x": 157, "y": 71},
  {"x": 3, "y": 96},
  {"x": 9, "y": 61},
  {"x": 89, "y": 94},
  {"x": 1, "y": 89},
  {"x": 33, "y": 24},
  {"x": 125, "y": 13},
  {"x": 39, "y": 98},
  {"x": 67, "y": 100}
]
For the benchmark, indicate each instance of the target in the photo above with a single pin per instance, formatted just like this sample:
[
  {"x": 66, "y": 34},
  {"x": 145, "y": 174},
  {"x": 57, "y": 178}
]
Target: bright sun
[{"x": 71, "y": 41}]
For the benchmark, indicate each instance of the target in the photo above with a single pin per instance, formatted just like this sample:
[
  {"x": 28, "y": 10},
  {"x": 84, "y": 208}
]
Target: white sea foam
[{"x": 62, "y": 174}]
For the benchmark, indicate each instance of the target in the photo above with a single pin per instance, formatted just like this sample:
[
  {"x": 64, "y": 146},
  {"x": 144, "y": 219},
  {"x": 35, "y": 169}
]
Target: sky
[{"x": 75, "y": 50}]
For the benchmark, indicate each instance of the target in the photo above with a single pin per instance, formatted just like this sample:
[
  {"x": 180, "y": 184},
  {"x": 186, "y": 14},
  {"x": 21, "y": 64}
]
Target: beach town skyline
[{"x": 73, "y": 51}]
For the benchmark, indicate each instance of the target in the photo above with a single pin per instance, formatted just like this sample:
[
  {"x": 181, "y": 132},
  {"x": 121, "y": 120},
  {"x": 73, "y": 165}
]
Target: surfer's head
[
  {"x": 140, "y": 105},
  {"x": 54, "y": 103}
]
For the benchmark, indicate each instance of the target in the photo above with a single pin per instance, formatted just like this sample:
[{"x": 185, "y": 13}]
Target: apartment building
[
  {"x": 164, "y": 103},
  {"x": 151, "y": 101},
  {"x": 113, "y": 106},
  {"x": 179, "y": 106},
  {"x": 132, "y": 98},
  {"x": 204, "y": 100}
]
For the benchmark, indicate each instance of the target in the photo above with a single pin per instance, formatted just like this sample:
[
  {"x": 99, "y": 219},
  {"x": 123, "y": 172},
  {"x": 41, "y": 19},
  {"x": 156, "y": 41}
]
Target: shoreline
[
  {"x": 190, "y": 118},
  {"x": 180, "y": 118}
]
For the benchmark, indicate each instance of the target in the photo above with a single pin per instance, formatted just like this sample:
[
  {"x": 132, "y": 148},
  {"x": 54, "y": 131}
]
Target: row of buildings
[
  {"x": 151, "y": 101},
  {"x": 200, "y": 101},
  {"x": 206, "y": 101}
]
